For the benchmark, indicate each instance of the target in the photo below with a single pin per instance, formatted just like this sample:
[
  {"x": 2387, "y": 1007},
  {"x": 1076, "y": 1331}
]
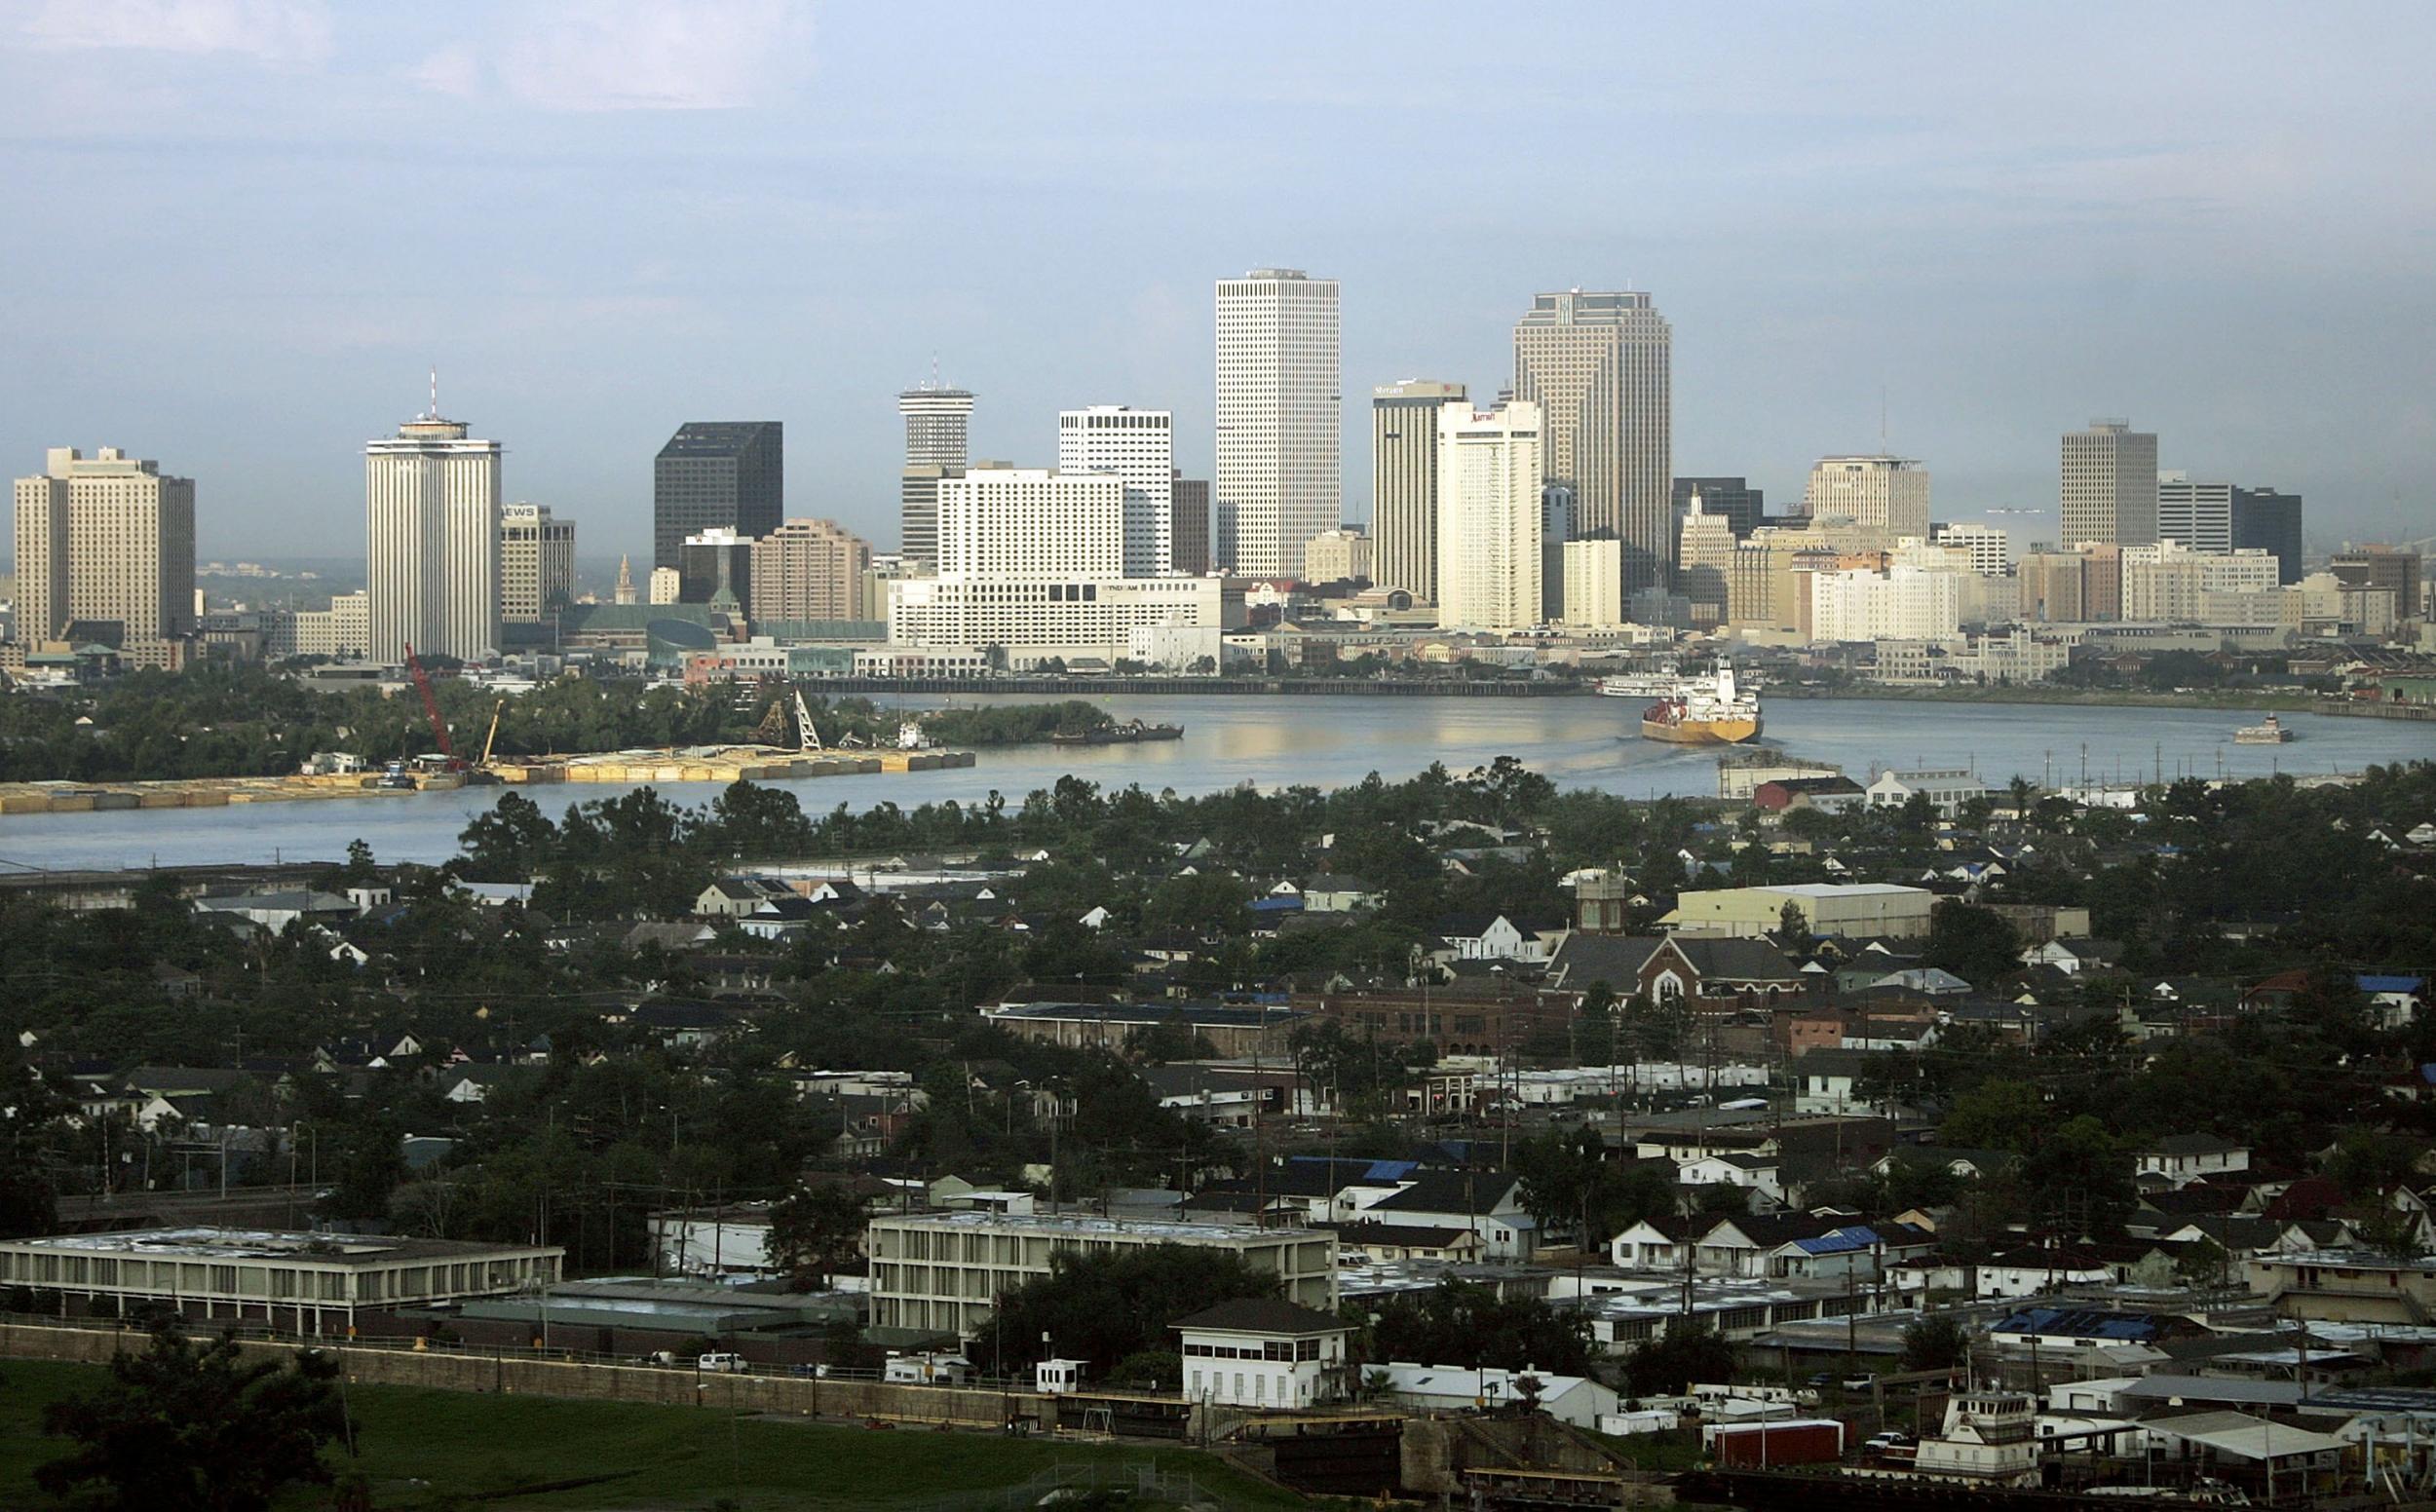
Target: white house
[
  {"x": 1492, "y": 937},
  {"x": 1453, "y": 1388},
  {"x": 2184, "y": 1158},
  {"x": 1758, "y": 1172},
  {"x": 1261, "y": 1351},
  {"x": 1645, "y": 1246},
  {"x": 1946, "y": 787}
]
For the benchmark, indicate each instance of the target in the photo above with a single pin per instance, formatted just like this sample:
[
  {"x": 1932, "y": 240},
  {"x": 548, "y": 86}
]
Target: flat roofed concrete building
[
  {"x": 310, "y": 1283},
  {"x": 944, "y": 1271},
  {"x": 1600, "y": 367},
  {"x": 716, "y": 474},
  {"x": 1340, "y": 555},
  {"x": 536, "y": 563},
  {"x": 104, "y": 538},
  {"x": 2108, "y": 488},
  {"x": 809, "y": 569},
  {"x": 1404, "y": 482},
  {"x": 1280, "y": 420},
  {"x": 1887, "y": 493},
  {"x": 1826, "y": 907},
  {"x": 2194, "y": 514}
]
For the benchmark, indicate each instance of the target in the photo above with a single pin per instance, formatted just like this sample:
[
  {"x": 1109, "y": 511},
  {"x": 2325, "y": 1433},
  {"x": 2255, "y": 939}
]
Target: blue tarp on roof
[
  {"x": 2079, "y": 1323},
  {"x": 2387, "y": 984},
  {"x": 1838, "y": 1241}
]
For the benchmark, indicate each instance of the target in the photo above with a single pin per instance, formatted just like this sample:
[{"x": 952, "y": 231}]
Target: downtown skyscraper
[
  {"x": 1600, "y": 367},
  {"x": 938, "y": 421},
  {"x": 1138, "y": 446},
  {"x": 1404, "y": 482},
  {"x": 2109, "y": 487},
  {"x": 714, "y": 474},
  {"x": 106, "y": 539},
  {"x": 1281, "y": 417},
  {"x": 431, "y": 514}
]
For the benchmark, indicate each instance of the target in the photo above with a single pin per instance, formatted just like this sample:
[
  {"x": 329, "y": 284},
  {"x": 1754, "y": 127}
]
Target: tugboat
[
  {"x": 1704, "y": 712},
  {"x": 1985, "y": 1458},
  {"x": 2269, "y": 731}
]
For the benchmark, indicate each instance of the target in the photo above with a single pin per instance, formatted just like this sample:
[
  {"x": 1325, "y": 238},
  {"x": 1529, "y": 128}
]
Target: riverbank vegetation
[{"x": 243, "y": 721}]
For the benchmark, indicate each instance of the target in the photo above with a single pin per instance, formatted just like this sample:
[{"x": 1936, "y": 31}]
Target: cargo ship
[
  {"x": 1710, "y": 710},
  {"x": 2271, "y": 732}
]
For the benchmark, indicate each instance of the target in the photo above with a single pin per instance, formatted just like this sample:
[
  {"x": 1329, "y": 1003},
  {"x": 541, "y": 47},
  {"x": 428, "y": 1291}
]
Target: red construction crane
[{"x": 431, "y": 711}]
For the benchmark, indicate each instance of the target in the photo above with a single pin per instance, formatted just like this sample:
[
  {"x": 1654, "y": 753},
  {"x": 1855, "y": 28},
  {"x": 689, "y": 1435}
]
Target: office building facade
[
  {"x": 1878, "y": 492},
  {"x": 1188, "y": 524},
  {"x": 1490, "y": 478},
  {"x": 809, "y": 569},
  {"x": 1989, "y": 548},
  {"x": 536, "y": 563},
  {"x": 2108, "y": 485},
  {"x": 1280, "y": 420},
  {"x": 1341, "y": 555},
  {"x": 106, "y": 538},
  {"x": 1599, "y": 366},
  {"x": 1743, "y": 506},
  {"x": 2194, "y": 515},
  {"x": 431, "y": 549},
  {"x": 717, "y": 475},
  {"x": 939, "y": 422},
  {"x": 714, "y": 563},
  {"x": 1138, "y": 447},
  {"x": 1404, "y": 482},
  {"x": 2268, "y": 520}
]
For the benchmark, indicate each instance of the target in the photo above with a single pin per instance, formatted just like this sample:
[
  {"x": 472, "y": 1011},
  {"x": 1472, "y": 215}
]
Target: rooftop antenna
[
  {"x": 435, "y": 410},
  {"x": 1882, "y": 422}
]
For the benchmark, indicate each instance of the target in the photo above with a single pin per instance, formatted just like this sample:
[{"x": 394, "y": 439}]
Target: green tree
[
  {"x": 1671, "y": 1363},
  {"x": 1465, "y": 1323},
  {"x": 1933, "y": 1343},
  {"x": 188, "y": 1428},
  {"x": 813, "y": 1232},
  {"x": 1102, "y": 1308},
  {"x": 1998, "y": 1114},
  {"x": 1976, "y": 944}
]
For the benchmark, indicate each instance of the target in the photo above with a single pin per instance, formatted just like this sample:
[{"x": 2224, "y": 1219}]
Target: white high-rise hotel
[
  {"x": 1031, "y": 565},
  {"x": 1137, "y": 446},
  {"x": 1279, "y": 418},
  {"x": 431, "y": 514},
  {"x": 1489, "y": 517}
]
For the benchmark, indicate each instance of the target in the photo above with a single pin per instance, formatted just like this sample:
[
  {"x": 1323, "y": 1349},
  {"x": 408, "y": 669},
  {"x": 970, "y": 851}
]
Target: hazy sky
[{"x": 239, "y": 231}]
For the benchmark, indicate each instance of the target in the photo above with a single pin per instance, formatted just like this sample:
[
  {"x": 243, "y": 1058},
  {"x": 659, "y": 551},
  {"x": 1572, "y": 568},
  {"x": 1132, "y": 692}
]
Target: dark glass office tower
[
  {"x": 1745, "y": 507},
  {"x": 716, "y": 473},
  {"x": 2270, "y": 520}
]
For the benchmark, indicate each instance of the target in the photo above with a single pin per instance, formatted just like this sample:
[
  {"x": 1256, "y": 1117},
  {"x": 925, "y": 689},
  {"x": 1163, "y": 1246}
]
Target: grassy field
[{"x": 427, "y": 1451}]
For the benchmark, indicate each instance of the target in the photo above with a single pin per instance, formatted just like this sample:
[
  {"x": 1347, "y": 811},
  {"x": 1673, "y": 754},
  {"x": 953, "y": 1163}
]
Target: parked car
[{"x": 723, "y": 1364}]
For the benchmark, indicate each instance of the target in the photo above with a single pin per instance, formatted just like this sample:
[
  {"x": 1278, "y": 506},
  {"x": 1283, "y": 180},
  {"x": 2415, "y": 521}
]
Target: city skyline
[{"x": 2041, "y": 254}]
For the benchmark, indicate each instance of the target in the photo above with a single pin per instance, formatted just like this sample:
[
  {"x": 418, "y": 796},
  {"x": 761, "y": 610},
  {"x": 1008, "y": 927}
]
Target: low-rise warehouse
[{"x": 312, "y": 1283}]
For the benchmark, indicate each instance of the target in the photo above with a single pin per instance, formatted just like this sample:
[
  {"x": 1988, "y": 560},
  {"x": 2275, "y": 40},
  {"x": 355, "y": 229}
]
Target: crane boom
[
  {"x": 431, "y": 707},
  {"x": 501, "y": 708}
]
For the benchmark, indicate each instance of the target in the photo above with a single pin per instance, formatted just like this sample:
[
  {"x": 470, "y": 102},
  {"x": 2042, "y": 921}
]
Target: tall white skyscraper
[
  {"x": 2109, "y": 492},
  {"x": 1989, "y": 549},
  {"x": 1280, "y": 416},
  {"x": 1885, "y": 493},
  {"x": 432, "y": 559},
  {"x": 1137, "y": 446},
  {"x": 1490, "y": 470},
  {"x": 1600, "y": 365}
]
